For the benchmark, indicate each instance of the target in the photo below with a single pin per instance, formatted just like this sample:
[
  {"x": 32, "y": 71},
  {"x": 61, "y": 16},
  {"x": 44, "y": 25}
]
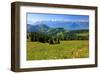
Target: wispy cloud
[{"x": 39, "y": 17}]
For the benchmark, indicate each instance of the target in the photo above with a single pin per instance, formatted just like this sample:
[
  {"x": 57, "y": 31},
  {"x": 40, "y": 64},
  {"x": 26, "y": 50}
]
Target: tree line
[
  {"x": 55, "y": 38},
  {"x": 34, "y": 36}
]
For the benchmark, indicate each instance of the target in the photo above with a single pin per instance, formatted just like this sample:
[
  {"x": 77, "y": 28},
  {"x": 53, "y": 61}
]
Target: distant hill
[
  {"x": 37, "y": 28},
  {"x": 46, "y": 25},
  {"x": 67, "y": 25}
]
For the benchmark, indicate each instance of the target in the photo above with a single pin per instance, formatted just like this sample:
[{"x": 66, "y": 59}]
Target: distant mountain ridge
[
  {"x": 54, "y": 27},
  {"x": 59, "y": 24}
]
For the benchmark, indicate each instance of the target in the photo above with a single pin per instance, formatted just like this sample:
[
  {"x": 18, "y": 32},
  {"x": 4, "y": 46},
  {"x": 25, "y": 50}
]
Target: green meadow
[{"x": 65, "y": 50}]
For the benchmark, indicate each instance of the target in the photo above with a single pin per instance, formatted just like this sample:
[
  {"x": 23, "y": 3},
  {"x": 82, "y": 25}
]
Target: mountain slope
[
  {"x": 67, "y": 25},
  {"x": 37, "y": 28}
]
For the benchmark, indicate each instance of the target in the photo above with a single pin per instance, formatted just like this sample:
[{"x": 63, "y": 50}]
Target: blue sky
[{"x": 39, "y": 17}]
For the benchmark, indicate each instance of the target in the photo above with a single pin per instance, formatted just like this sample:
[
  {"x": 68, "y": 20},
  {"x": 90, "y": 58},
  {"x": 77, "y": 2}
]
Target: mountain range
[{"x": 47, "y": 26}]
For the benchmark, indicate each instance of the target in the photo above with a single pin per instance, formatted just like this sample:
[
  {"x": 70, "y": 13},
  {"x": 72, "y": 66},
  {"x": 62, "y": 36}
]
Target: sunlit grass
[{"x": 64, "y": 50}]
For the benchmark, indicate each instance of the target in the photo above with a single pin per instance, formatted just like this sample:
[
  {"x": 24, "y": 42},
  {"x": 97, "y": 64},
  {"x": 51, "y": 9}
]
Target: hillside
[{"x": 44, "y": 33}]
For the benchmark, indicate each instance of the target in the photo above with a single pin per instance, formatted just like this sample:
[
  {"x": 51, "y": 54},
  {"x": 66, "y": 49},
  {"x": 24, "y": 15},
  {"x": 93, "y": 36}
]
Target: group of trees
[
  {"x": 55, "y": 38},
  {"x": 34, "y": 36}
]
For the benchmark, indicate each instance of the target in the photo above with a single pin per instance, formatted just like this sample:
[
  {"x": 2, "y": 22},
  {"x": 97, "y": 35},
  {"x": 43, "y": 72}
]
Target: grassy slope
[
  {"x": 82, "y": 34},
  {"x": 64, "y": 50}
]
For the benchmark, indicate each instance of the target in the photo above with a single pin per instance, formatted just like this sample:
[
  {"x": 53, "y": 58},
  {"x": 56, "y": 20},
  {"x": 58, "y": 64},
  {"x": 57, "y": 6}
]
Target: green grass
[
  {"x": 82, "y": 34},
  {"x": 64, "y": 50}
]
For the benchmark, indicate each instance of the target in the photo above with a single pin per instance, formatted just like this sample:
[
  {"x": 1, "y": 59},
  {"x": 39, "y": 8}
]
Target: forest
[{"x": 56, "y": 35}]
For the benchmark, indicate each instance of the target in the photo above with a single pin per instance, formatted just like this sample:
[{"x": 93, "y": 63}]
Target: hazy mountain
[
  {"x": 68, "y": 25},
  {"x": 37, "y": 28},
  {"x": 56, "y": 26}
]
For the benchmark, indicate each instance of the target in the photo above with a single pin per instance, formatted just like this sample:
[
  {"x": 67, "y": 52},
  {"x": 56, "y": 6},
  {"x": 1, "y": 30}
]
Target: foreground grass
[{"x": 64, "y": 50}]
